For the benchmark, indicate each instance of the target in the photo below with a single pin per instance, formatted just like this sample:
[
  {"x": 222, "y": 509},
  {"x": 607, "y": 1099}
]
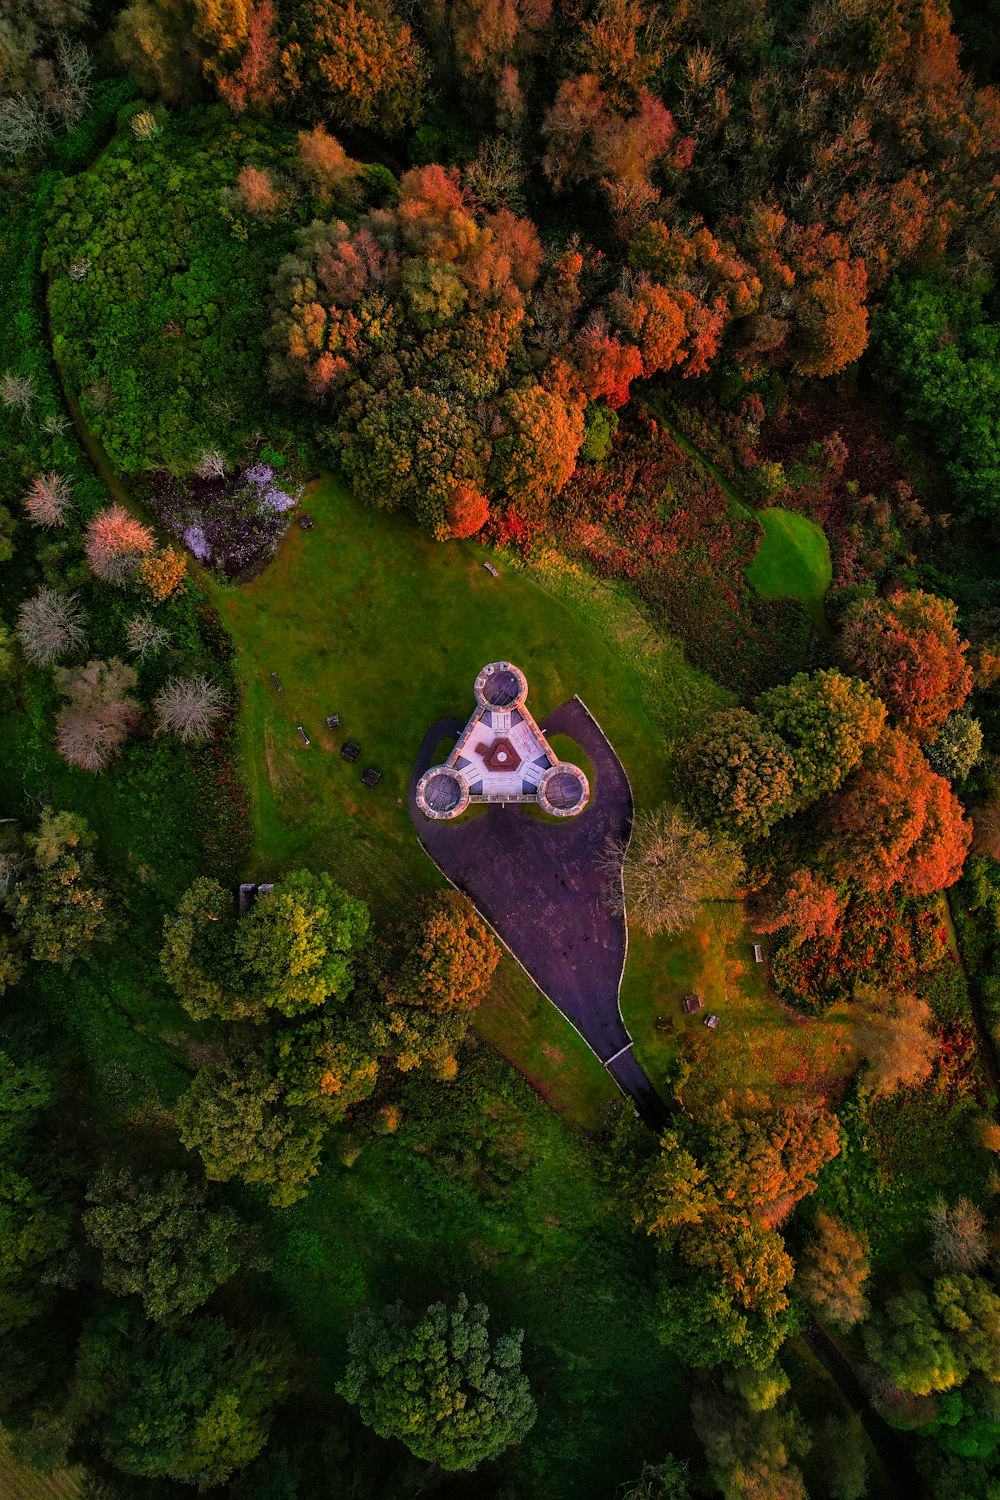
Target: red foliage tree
[
  {"x": 908, "y": 648},
  {"x": 808, "y": 905},
  {"x": 255, "y": 83},
  {"x": 115, "y": 544},
  {"x": 467, "y": 511},
  {"x": 896, "y": 822}
]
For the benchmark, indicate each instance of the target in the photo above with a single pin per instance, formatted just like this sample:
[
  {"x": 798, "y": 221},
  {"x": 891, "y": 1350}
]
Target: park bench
[
  {"x": 350, "y": 750},
  {"x": 691, "y": 1003},
  {"x": 333, "y": 721},
  {"x": 371, "y": 777},
  {"x": 712, "y": 1022},
  {"x": 306, "y": 522},
  {"x": 491, "y": 570},
  {"x": 275, "y": 680},
  {"x": 302, "y": 735}
]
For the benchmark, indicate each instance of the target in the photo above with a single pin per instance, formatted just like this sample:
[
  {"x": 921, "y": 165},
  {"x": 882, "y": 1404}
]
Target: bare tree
[
  {"x": 144, "y": 126},
  {"x": 144, "y": 637},
  {"x": 17, "y": 391},
  {"x": 210, "y": 464},
  {"x": 958, "y": 1236},
  {"x": 668, "y": 869},
  {"x": 48, "y": 500},
  {"x": 100, "y": 712},
  {"x": 189, "y": 706},
  {"x": 54, "y": 423},
  {"x": 24, "y": 125},
  {"x": 50, "y": 625}
]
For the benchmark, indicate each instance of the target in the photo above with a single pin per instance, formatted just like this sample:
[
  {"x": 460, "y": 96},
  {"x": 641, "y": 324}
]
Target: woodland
[{"x": 686, "y": 319}]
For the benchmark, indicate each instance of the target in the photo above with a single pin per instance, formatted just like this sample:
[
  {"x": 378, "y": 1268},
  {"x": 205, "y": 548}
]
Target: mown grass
[
  {"x": 17, "y": 1483},
  {"x": 365, "y": 617},
  {"x": 793, "y": 559}
]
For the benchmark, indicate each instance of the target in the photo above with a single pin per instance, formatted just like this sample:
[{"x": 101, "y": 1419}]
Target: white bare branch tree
[
  {"x": 668, "y": 869},
  {"x": 189, "y": 706},
  {"x": 958, "y": 1236},
  {"x": 50, "y": 625},
  {"x": 144, "y": 637},
  {"x": 17, "y": 391}
]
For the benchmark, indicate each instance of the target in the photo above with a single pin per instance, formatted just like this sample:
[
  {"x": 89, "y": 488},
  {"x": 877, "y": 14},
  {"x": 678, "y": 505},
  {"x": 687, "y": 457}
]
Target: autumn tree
[
  {"x": 450, "y": 957},
  {"x": 831, "y": 319},
  {"x": 439, "y": 1384},
  {"x": 466, "y": 511},
  {"x": 115, "y": 544},
  {"x": 50, "y": 625},
  {"x": 806, "y": 905},
  {"x": 897, "y": 822},
  {"x": 537, "y": 452},
  {"x": 48, "y": 500},
  {"x": 159, "y": 1240},
  {"x": 324, "y": 1063},
  {"x": 58, "y": 904},
  {"x": 331, "y": 174},
  {"x": 827, "y": 721},
  {"x": 190, "y": 1404},
  {"x": 358, "y": 61},
  {"x": 832, "y": 1271},
  {"x": 958, "y": 1236},
  {"x": 100, "y": 714},
  {"x": 161, "y": 573},
  {"x": 749, "y": 1454},
  {"x": 909, "y": 649},
  {"x": 661, "y": 874},
  {"x": 739, "y": 775},
  {"x": 893, "y": 1034},
  {"x": 236, "y": 1116}
]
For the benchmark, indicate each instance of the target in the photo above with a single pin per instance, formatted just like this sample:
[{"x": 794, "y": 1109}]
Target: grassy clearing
[
  {"x": 365, "y": 617},
  {"x": 758, "y": 1045},
  {"x": 793, "y": 559}
]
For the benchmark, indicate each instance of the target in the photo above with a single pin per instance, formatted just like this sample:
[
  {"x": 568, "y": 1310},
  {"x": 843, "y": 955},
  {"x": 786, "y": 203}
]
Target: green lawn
[
  {"x": 366, "y": 617},
  {"x": 17, "y": 1483},
  {"x": 793, "y": 560}
]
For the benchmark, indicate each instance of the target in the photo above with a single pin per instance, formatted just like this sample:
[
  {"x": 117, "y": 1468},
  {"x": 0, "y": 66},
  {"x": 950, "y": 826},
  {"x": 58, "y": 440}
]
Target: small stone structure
[{"x": 502, "y": 756}]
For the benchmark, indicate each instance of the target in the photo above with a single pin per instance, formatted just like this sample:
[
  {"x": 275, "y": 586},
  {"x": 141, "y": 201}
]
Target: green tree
[
  {"x": 665, "y": 1481},
  {"x": 159, "y": 1241},
  {"x": 827, "y": 720},
  {"x": 931, "y": 1340},
  {"x": 58, "y": 905},
  {"x": 739, "y": 776},
  {"x": 440, "y": 1385},
  {"x": 957, "y": 748},
  {"x": 290, "y": 953},
  {"x": 190, "y": 1404},
  {"x": 33, "y": 1225},
  {"x": 293, "y": 949},
  {"x": 750, "y": 1454},
  {"x": 237, "y": 1116}
]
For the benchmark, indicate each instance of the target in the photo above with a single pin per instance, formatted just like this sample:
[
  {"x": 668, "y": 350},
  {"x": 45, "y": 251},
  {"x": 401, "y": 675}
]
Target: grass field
[
  {"x": 365, "y": 617},
  {"x": 793, "y": 560}
]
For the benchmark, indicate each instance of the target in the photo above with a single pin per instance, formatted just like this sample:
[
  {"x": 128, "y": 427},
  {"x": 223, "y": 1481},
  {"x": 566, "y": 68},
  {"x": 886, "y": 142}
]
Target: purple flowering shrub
[{"x": 232, "y": 524}]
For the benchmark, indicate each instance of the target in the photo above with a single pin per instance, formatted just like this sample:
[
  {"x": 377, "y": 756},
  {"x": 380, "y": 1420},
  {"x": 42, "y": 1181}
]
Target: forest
[{"x": 684, "y": 320}]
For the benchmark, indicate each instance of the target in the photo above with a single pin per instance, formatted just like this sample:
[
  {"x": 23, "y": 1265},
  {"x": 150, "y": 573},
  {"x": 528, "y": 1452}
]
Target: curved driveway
[{"x": 538, "y": 886}]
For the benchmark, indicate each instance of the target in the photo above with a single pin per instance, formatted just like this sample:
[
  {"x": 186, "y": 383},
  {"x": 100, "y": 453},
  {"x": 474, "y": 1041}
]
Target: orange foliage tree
[
  {"x": 909, "y": 649},
  {"x": 162, "y": 572},
  {"x": 896, "y": 822}
]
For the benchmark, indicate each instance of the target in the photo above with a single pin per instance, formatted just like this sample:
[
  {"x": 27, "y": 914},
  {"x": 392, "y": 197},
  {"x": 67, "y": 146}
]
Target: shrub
[
  {"x": 50, "y": 625},
  {"x": 188, "y": 707}
]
